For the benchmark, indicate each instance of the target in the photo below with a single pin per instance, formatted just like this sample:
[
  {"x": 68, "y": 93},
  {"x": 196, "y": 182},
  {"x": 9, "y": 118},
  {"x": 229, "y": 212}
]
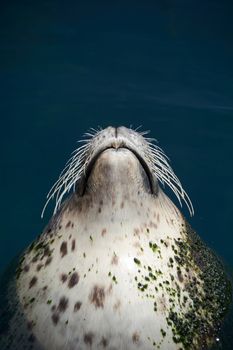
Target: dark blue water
[{"x": 67, "y": 66}]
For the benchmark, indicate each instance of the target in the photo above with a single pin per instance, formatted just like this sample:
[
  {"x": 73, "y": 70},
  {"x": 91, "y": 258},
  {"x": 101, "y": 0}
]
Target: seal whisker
[
  {"x": 164, "y": 167},
  {"x": 177, "y": 190},
  {"x": 63, "y": 178},
  {"x": 165, "y": 174},
  {"x": 67, "y": 178}
]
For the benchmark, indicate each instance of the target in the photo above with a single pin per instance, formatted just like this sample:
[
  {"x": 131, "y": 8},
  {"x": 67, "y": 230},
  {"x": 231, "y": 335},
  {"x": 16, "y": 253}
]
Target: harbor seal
[{"x": 118, "y": 266}]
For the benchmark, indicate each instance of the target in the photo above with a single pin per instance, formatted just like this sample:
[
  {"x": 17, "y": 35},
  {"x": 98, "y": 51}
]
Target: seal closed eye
[{"x": 117, "y": 266}]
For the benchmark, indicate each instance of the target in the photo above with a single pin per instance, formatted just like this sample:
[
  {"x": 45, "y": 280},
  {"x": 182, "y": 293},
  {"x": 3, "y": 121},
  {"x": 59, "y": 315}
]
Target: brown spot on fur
[
  {"x": 136, "y": 232},
  {"x": 63, "y": 304},
  {"x": 180, "y": 277},
  {"x": 88, "y": 338},
  {"x": 44, "y": 288},
  {"x": 162, "y": 303},
  {"x": 47, "y": 252},
  {"x": 117, "y": 305},
  {"x": 135, "y": 338},
  {"x": 63, "y": 249},
  {"x": 104, "y": 231},
  {"x": 55, "y": 318},
  {"x": 68, "y": 224},
  {"x": 152, "y": 224},
  {"x": 97, "y": 296},
  {"x": 115, "y": 259},
  {"x": 73, "y": 245},
  {"x": 34, "y": 259},
  {"x": 99, "y": 210},
  {"x": 32, "y": 282},
  {"x": 122, "y": 205},
  {"x": 74, "y": 278},
  {"x": 39, "y": 266},
  {"x": 64, "y": 277},
  {"x": 77, "y": 306},
  {"x": 48, "y": 261},
  {"x": 104, "y": 342},
  {"x": 53, "y": 308},
  {"x": 26, "y": 268}
]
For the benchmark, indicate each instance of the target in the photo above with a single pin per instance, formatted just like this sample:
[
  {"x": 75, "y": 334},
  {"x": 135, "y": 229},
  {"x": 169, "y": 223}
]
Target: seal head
[{"x": 151, "y": 158}]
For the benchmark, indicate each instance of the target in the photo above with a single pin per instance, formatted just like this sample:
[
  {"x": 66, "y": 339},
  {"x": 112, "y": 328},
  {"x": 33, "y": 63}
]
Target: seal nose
[{"x": 117, "y": 141}]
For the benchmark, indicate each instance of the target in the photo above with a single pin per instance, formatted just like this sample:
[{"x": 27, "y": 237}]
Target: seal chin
[{"x": 117, "y": 168}]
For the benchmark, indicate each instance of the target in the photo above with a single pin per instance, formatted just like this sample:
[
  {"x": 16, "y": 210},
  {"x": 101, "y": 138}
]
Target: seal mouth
[{"x": 92, "y": 162}]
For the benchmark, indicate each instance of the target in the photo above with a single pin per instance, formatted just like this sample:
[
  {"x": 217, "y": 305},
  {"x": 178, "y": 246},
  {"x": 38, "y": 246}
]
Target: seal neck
[{"x": 117, "y": 173}]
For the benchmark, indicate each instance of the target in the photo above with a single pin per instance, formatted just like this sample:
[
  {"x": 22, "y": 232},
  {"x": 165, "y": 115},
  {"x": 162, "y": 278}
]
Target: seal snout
[{"x": 117, "y": 136}]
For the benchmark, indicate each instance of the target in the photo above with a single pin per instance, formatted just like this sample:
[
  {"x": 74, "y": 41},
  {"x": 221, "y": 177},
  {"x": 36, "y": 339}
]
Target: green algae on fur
[{"x": 210, "y": 293}]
